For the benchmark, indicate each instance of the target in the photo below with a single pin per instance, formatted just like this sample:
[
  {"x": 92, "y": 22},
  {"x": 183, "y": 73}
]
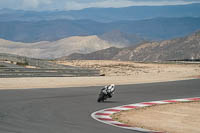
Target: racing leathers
[{"x": 109, "y": 90}]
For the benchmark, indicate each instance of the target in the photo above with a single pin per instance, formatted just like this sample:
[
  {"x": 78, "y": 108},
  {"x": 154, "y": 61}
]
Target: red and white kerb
[{"x": 105, "y": 114}]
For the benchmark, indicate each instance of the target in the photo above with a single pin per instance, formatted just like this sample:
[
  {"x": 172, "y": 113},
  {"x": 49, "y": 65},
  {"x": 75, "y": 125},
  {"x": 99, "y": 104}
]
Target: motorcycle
[{"x": 105, "y": 93}]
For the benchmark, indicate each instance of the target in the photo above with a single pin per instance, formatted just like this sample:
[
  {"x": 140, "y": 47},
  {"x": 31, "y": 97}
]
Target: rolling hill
[{"x": 59, "y": 48}]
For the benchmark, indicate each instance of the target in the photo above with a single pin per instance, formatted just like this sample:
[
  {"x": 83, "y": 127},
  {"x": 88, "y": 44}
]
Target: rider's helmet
[{"x": 111, "y": 88}]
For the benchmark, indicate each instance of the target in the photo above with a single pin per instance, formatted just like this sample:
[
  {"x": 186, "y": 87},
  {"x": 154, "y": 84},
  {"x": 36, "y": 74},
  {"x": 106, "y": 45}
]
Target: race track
[{"x": 68, "y": 110}]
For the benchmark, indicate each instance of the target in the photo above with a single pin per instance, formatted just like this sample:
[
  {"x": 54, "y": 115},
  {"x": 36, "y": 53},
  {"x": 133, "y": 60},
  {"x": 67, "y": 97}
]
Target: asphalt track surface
[{"x": 68, "y": 110}]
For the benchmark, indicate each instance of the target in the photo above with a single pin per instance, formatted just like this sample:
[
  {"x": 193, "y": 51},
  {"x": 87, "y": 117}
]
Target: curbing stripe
[
  {"x": 170, "y": 101},
  {"x": 106, "y": 119},
  {"x": 131, "y": 107},
  {"x": 113, "y": 110},
  {"x": 105, "y": 114},
  {"x": 149, "y": 103},
  {"x": 193, "y": 99}
]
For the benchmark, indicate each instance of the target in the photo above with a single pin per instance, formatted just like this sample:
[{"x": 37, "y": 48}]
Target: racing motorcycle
[{"x": 106, "y": 92}]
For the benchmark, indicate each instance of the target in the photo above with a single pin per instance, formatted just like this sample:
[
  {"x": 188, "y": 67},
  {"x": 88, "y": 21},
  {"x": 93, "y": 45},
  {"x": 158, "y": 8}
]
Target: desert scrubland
[
  {"x": 128, "y": 68},
  {"x": 117, "y": 72}
]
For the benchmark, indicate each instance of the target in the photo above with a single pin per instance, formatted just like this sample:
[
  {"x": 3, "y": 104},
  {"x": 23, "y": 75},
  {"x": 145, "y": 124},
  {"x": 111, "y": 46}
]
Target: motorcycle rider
[{"x": 109, "y": 90}]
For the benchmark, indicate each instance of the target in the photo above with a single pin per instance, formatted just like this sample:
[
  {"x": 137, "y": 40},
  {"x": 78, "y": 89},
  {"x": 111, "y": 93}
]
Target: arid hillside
[{"x": 177, "y": 49}]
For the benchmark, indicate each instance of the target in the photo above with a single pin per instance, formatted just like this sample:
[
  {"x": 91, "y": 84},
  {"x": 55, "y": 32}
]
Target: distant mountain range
[
  {"x": 104, "y": 14},
  {"x": 176, "y": 49},
  {"x": 150, "y": 29},
  {"x": 149, "y": 22},
  {"x": 54, "y": 34}
]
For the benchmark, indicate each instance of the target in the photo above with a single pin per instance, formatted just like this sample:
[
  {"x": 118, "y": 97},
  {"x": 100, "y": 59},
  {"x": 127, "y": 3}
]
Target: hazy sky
[{"x": 81, "y": 4}]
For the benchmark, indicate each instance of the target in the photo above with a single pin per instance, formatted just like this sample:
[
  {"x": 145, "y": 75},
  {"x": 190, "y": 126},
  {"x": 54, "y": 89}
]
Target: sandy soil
[
  {"x": 170, "y": 118},
  {"x": 115, "y": 72},
  {"x": 126, "y": 68}
]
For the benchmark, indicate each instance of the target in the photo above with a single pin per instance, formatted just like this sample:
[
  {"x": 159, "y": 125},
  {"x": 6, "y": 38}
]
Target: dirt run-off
[{"x": 168, "y": 118}]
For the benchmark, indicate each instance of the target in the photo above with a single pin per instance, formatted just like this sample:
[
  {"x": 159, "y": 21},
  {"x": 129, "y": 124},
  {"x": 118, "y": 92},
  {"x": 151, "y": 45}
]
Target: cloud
[
  {"x": 73, "y": 5},
  {"x": 35, "y": 4},
  {"x": 30, "y": 3},
  {"x": 162, "y": 2},
  {"x": 81, "y": 4},
  {"x": 77, "y": 5}
]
